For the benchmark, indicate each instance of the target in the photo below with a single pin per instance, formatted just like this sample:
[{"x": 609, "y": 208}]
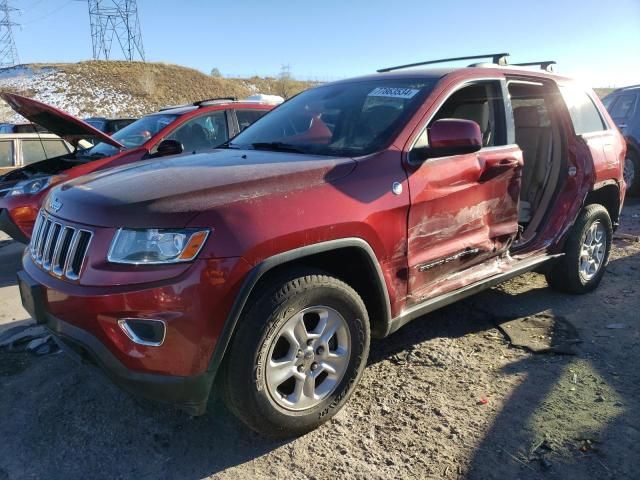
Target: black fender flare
[{"x": 257, "y": 272}]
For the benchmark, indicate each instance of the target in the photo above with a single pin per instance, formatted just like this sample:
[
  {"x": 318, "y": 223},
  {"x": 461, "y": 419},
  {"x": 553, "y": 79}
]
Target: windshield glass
[
  {"x": 133, "y": 135},
  {"x": 344, "y": 119}
]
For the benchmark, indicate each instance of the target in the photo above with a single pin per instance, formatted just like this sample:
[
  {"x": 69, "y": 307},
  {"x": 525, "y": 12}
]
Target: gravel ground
[{"x": 445, "y": 397}]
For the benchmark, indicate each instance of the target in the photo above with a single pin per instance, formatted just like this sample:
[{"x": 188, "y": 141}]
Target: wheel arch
[
  {"x": 606, "y": 194},
  {"x": 336, "y": 257}
]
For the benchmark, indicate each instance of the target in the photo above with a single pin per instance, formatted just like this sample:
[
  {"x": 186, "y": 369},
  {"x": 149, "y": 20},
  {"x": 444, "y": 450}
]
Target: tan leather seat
[{"x": 536, "y": 143}]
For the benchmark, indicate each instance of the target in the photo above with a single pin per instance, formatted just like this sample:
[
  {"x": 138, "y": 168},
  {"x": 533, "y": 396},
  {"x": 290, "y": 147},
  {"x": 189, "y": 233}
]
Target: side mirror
[
  {"x": 450, "y": 136},
  {"x": 169, "y": 147}
]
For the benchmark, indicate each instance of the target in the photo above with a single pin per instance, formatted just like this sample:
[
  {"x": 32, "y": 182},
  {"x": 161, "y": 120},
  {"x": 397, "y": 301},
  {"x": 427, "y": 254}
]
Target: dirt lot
[{"x": 445, "y": 397}]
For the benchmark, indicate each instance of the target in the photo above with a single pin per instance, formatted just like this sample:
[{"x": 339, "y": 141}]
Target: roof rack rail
[
  {"x": 546, "y": 65},
  {"x": 218, "y": 99},
  {"x": 497, "y": 58},
  {"x": 619, "y": 89}
]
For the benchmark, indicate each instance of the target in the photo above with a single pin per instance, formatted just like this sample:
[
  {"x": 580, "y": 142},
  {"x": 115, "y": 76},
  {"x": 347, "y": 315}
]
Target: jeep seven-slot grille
[{"x": 59, "y": 248}]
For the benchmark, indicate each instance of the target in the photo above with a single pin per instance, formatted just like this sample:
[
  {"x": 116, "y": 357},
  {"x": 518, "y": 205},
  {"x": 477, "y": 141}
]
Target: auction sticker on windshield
[{"x": 394, "y": 92}]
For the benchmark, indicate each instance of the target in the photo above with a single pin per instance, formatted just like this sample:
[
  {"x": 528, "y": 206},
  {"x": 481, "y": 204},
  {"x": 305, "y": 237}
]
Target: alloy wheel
[
  {"x": 308, "y": 358},
  {"x": 593, "y": 250}
]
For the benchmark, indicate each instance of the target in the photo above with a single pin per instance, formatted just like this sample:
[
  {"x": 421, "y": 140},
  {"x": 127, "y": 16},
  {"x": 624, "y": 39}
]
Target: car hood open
[
  {"x": 169, "y": 192},
  {"x": 66, "y": 126}
]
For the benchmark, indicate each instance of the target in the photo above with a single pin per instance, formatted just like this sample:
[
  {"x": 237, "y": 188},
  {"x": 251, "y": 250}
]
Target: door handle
[
  {"x": 501, "y": 163},
  {"x": 497, "y": 166}
]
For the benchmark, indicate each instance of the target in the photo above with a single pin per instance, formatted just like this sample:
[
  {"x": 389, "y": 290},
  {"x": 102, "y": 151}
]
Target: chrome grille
[{"x": 58, "y": 248}]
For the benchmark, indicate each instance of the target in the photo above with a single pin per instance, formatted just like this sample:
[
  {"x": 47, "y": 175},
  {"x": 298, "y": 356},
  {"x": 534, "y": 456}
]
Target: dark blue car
[{"x": 624, "y": 107}]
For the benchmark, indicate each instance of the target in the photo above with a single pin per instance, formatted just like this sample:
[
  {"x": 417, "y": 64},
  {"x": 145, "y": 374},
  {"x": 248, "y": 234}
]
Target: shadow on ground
[{"x": 62, "y": 420}]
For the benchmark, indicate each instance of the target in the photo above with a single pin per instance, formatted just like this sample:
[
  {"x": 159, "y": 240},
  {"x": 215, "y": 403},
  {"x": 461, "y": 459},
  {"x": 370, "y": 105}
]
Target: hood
[
  {"x": 72, "y": 129},
  {"x": 170, "y": 192}
]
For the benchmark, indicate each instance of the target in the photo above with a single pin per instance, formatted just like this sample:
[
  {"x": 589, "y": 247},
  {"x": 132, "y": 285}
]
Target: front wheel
[
  {"x": 299, "y": 351},
  {"x": 587, "y": 250}
]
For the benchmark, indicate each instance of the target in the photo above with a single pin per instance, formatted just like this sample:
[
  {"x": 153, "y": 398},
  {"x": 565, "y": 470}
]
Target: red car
[
  {"x": 197, "y": 127},
  {"x": 348, "y": 211}
]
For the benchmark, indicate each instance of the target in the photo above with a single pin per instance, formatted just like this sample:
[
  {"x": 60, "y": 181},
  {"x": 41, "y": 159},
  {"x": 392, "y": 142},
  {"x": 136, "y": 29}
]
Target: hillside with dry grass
[
  {"x": 123, "y": 89},
  {"x": 116, "y": 88}
]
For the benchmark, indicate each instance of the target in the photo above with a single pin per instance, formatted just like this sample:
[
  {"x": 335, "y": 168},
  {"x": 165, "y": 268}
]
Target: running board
[{"x": 450, "y": 297}]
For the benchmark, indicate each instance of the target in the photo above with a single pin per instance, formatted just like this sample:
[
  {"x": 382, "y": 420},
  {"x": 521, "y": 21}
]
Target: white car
[{"x": 20, "y": 149}]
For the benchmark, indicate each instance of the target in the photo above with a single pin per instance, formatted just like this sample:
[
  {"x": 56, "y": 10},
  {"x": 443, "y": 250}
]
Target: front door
[{"x": 464, "y": 208}]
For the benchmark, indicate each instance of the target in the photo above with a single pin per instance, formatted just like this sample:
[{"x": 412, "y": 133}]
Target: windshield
[
  {"x": 132, "y": 135},
  {"x": 344, "y": 119}
]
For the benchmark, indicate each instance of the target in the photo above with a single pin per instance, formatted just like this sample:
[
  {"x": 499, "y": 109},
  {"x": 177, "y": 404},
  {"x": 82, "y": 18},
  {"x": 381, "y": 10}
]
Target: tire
[
  {"x": 269, "y": 333},
  {"x": 572, "y": 274},
  {"x": 632, "y": 173}
]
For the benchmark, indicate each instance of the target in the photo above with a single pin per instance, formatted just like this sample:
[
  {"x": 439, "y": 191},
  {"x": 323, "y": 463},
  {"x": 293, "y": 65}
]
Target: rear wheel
[
  {"x": 632, "y": 173},
  {"x": 586, "y": 253},
  {"x": 298, "y": 353}
]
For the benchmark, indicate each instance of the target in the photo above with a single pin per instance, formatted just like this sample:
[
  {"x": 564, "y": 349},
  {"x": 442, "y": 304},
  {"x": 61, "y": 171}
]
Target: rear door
[
  {"x": 592, "y": 129},
  {"x": 7, "y": 156},
  {"x": 464, "y": 208}
]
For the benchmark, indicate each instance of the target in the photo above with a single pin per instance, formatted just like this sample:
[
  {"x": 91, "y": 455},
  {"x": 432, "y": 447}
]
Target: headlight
[
  {"x": 155, "y": 246},
  {"x": 31, "y": 187}
]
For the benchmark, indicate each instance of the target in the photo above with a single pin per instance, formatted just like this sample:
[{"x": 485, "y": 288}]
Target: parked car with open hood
[
  {"x": 190, "y": 128},
  {"x": 348, "y": 211}
]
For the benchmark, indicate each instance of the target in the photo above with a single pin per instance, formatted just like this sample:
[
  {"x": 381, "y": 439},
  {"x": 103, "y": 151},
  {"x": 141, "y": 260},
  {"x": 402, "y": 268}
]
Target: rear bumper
[
  {"x": 189, "y": 393},
  {"x": 8, "y": 226}
]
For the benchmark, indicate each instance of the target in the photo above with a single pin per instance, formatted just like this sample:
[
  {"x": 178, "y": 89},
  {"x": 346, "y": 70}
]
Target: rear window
[
  {"x": 55, "y": 148},
  {"x": 247, "y": 117},
  {"x": 32, "y": 151},
  {"x": 6, "y": 154},
  {"x": 623, "y": 107},
  {"x": 584, "y": 114}
]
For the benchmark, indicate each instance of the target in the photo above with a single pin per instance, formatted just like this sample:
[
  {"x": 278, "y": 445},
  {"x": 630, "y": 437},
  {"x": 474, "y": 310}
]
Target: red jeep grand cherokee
[
  {"x": 198, "y": 127},
  {"x": 346, "y": 212}
]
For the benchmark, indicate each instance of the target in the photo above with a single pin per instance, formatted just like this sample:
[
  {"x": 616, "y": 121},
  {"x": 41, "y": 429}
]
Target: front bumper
[
  {"x": 8, "y": 226},
  {"x": 193, "y": 305},
  {"x": 189, "y": 393}
]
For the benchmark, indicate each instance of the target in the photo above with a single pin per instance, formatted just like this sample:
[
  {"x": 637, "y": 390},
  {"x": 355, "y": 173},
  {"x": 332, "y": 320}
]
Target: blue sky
[{"x": 597, "y": 41}]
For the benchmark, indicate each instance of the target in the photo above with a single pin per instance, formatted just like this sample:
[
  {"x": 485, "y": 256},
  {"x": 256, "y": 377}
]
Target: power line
[
  {"x": 8, "y": 50},
  {"x": 115, "y": 20}
]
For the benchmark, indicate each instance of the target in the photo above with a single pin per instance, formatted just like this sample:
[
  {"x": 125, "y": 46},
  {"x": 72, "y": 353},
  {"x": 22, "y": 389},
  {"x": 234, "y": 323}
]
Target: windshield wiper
[
  {"x": 277, "y": 147},
  {"x": 227, "y": 144}
]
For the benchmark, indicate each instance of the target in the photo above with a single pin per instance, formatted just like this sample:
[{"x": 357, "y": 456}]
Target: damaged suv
[
  {"x": 348, "y": 211},
  {"x": 192, "y": 128}
]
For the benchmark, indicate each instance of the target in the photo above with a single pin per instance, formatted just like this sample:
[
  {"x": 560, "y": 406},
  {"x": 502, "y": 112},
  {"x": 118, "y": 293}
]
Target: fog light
[{"x": 144, "y": 331}]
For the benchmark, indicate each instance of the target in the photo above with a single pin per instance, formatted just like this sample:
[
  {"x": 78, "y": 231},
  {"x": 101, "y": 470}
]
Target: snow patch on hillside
[{"x": 75, "y": 94}]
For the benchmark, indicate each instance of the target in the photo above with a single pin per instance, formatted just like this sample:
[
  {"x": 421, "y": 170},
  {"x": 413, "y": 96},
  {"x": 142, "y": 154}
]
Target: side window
[
  {"x": 202, "y": 133},
  {"x": 608, "y": 101},
  {"x": 481, "y": 103},
  {"x": 247, "y": 117},
  {"x": 55, "y": 148},
  {"x": 32, "y": 151},
  {"x": 584, "y": 114},
  {"x": 6, "y": 153},
  {"x": 624, "y": 107}
]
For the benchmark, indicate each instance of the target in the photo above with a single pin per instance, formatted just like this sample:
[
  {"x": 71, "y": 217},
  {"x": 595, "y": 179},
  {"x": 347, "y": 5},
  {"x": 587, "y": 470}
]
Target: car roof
[
  {"x": 483, "y": 70},
  {"x": 110, "y": 119},
  {"x": 44, "y": 136},
  {"x": 625, "y": 89}
]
